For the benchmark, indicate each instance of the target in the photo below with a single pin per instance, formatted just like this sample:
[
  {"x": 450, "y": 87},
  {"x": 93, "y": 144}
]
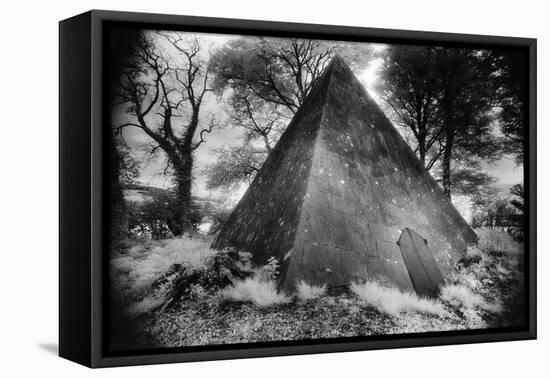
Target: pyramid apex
[{"x": 337, "y": 60}]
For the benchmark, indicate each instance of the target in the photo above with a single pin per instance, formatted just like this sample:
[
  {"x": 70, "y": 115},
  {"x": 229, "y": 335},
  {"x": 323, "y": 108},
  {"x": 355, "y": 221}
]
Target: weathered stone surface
[{"x": 336, "y": 193}]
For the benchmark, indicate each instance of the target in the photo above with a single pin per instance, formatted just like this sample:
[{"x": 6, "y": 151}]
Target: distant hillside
[{"x": 141, "y": 194}]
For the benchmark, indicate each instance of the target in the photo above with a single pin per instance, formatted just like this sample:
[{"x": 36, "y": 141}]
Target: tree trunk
[
  {"x": 182, "y": 162},
  {"x": 447, "y": 166},
  {"x": 422, "y": 131},
  {"x": 422, "y": 145},
  {"x": 183, "y": 177},
  {"x": 449, "y": 125}
]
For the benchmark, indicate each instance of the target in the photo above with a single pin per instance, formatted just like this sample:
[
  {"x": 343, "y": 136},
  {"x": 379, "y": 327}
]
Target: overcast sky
[{"x": 506, "y": 172}]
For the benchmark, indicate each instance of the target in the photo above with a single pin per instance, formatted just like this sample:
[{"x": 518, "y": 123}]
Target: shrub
[
  {"x": 473, "y": 255},
  {"x": 139, "y": 268},
  {"x": 260, "y": 292},
  {"x": 502, "y": 270},
  {"x": 462, "y": 296},
  {"x": 459, "y": 295},
  {"x": 307, "y": 292},
  {"x": 468, "y": 278},
  {"x": 392, "y": 301},
  {"x": 499, "y": 242},
  {"x": 219, "y": 271}
]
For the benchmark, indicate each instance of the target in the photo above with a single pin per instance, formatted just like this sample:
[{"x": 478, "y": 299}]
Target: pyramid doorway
[{"x": 424, "y": 273}]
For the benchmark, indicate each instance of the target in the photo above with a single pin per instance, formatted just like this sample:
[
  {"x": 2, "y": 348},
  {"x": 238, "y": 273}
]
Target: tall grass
[
  {"x": 462, "y": 296},
  {"x": 263, "y": 293},
  {"x": 393, "y": 302},
  {"x": 498, "y": 242},
  {"x": 137, "y": 269},
  {"x": 307, "y": 292}
]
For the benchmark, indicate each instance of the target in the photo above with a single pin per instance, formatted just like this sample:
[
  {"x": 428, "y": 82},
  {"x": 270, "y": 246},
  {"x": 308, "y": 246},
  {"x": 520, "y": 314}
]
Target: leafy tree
[
  {"x": 473, "y": 182},
  {"x": 163, "y": 98},
  {"x": 410, "y": 88},
  {"x": 445, "y": 96},
  {"x": 518, "y": 200},
  {"x": 158, "y": 216},
  {"x": 512, "y": 98},
  {"x": 465, "y": 101},
  {"x": 506, "y": 213}
]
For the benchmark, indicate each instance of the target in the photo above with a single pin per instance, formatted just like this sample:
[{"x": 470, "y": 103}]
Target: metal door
[{"x": 421, "y": 265}]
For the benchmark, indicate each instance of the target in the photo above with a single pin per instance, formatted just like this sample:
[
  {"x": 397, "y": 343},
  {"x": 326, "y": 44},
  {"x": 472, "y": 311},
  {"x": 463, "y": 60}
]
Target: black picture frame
[{"x": 83, "y": 200}]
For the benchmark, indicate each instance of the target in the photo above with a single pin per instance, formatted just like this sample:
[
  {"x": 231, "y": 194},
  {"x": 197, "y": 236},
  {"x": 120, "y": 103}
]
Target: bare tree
[
  {"x": 267, "y": 80},
  {"x": 280, "y": 72},
  {"x": 235, "y": 165},
  {"x": 164, "y": 98}
]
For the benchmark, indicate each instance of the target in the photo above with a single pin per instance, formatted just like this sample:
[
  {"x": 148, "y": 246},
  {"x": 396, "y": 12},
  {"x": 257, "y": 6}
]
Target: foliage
[
  {"x": 306, "y": 292},
  {"x": 137, "y": 269},
  {"x": 511, "y": 68},
  {"x": 220, "y": 298},
  {"x": 392, "y": 301},
  {"x": 220, "y": 270},
  {"x": 501, "y": 243},
  {"x": 518, "y": 199},
  {"x": 462, "y": 296},
  {"x": 234, "y": 165},
  {"x": 497, "y": 277},
  {"x": 260, "y": 120},
  {"x": 473, "y": 182},
  {"x": 158, "y": 217},
  {"x": 278, "y": 71},
  {"x": 263, "y": 293},
  {"x": 409, "y": 87},
  {"x": 473, "y": 256},
  {"x": 502, "y": 213},
  {"x": 445, "y": 96}
]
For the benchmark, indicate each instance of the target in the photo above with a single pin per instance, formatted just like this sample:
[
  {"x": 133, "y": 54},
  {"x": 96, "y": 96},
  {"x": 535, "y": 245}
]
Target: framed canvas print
[{"x": 233, "y": 188}]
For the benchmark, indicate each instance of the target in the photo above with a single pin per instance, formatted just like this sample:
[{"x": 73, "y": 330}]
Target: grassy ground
[{"x": 486, "y": 291}]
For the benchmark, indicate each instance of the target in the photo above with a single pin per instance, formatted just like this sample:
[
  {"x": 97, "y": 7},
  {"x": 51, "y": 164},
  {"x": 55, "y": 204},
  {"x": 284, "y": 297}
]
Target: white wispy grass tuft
[
  {"x": 392, "y": 301},
  {"x": 306, "y": 292},
  {"x": 138, "y": 268},
  {"x": 260, "y": 292},
  {"x": 462, "y": 296}
]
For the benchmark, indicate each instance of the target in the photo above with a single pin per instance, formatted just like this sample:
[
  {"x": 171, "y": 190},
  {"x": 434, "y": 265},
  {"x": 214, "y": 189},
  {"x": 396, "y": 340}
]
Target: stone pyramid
[{"x": 343, "y": 198}]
